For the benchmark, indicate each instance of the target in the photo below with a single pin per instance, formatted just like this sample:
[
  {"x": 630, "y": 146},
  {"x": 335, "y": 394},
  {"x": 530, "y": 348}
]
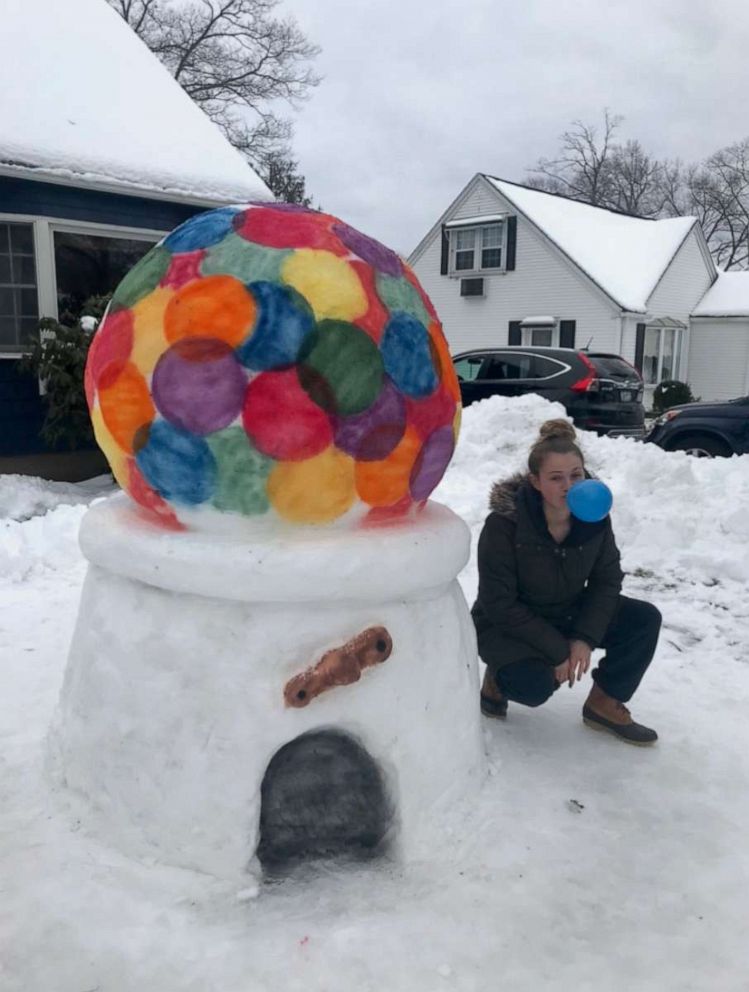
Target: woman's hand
[
  {"x": 576, "y": 665},
  {"x": 579, "y": 660}
]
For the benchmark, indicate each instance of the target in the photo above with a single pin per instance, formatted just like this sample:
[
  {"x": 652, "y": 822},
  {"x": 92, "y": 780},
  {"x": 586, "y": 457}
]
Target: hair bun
[{"x": 557, "y": 428}]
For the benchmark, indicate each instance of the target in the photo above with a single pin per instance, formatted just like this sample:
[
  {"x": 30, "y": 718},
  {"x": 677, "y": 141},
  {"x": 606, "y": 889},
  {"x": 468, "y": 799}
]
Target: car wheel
[{"x": 702, "y": 446}]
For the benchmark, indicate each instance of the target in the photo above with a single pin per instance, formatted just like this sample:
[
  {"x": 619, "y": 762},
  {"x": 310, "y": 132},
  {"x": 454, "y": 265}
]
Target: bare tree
[
  {"x": 634, "y": 181},
  {"x": 235, "y": 59},
  {"x": 594, "y": 168},
  {"x": 716, "y": 192},
  {"x": 602, "y": 172},
  {"x": 582, "y": 170}
]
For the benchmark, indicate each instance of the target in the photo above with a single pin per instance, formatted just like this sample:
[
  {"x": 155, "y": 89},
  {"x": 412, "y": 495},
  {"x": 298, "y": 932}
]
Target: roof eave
[
  {"x": 734, "y": 315},
  {"x": 123, "y": 187}
]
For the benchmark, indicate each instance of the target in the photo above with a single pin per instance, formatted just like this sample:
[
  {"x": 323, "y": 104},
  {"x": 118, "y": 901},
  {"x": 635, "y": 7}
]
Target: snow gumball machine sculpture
[{"x": 273, "y": 659}]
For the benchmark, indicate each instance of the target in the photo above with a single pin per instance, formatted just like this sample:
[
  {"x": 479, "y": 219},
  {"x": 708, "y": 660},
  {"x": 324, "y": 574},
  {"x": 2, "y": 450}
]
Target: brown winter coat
[{"x": 534, "y": 594}]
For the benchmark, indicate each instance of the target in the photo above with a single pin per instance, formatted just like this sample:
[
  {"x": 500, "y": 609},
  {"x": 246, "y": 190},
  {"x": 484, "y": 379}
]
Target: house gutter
[{"x": 119, "y": 187}]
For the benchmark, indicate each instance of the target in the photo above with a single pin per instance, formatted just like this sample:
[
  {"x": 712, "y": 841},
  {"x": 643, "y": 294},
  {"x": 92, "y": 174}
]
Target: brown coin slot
[{"x": 339, "y": 666}]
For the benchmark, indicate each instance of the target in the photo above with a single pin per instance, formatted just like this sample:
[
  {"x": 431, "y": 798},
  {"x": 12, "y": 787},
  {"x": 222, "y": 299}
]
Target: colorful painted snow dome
[{"x": 270, "y": 358}]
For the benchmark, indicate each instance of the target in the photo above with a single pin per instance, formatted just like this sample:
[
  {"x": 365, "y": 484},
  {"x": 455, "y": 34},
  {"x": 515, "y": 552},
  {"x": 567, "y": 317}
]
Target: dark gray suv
[{"x": 600, "y": 391}]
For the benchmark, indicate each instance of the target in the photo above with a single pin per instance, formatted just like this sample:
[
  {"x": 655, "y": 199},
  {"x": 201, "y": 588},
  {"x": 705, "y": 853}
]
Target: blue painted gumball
[{"x": 590, "y": 500}]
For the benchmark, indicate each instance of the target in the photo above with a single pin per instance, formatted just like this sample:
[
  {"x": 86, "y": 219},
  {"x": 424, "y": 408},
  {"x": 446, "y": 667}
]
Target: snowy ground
[{"x": 641, "y": 883}]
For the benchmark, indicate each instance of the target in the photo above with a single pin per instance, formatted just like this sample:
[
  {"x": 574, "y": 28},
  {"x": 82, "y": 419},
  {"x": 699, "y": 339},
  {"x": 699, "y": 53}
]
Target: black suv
[
  {"x": 601, "y": 392},
  {"x": 704, "y": 429}
]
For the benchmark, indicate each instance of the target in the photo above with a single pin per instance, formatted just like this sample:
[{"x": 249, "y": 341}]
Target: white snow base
[{"x": 172, "y": 704}]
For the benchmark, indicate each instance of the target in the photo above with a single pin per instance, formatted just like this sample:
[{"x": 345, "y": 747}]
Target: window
[
  {"x": 545, "y": 368},
  {"x": 660, "y": 359},
  {"x": 467, "y": 368},
  {"x": 19, "y": 301},
  {"x": 613, "y": 367},
  {"x": 477, "y": 249},
  {"x": 540, "y": 337},
  {"x": 91, "y": 265},
  {"x": 510, "y": 367}
]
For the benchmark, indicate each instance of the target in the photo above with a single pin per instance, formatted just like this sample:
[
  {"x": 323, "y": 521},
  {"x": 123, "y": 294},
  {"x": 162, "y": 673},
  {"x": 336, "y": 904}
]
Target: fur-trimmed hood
[{"x": 503, "y": 495}]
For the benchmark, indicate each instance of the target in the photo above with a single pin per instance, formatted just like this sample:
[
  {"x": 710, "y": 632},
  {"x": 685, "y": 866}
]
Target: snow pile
[
  {"x": 117, "y": 119},
  {"x": 695, "y": 508},
  {"x": 585, "y": 865},
  {"x": 39, "y": 523},
  {"x": 24, "y": 496}
]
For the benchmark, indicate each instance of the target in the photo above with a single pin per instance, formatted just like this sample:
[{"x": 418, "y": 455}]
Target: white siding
[
  {"x": 683, "y": 285},
  {"x": 719, "y": 358},
  {"x": 543, "y": 282},
  {"x": 481, "y": 200}
]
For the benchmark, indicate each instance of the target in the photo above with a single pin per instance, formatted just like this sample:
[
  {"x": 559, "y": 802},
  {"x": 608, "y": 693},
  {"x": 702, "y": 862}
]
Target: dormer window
[{"x": 478, "y": 245}]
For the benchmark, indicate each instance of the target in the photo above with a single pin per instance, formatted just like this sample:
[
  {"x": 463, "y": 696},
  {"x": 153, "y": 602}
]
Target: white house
[
  {"x": 506, "y": 264},
  {"x": 101, "y": 154}
]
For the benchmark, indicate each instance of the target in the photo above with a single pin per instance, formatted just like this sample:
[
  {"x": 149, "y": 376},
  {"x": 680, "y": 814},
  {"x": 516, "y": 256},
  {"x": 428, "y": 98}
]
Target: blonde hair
[{"x": 554, "y": 437}]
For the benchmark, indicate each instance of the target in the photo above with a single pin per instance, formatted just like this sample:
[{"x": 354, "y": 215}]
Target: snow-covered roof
[
  {"x": 626, "y": 256},
  {"x": 727, "y": 297},
  {"x": 84, "y": 101}
]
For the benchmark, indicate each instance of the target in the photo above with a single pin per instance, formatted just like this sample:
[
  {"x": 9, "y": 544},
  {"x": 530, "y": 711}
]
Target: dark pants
[{"x": 630, "y": 643}]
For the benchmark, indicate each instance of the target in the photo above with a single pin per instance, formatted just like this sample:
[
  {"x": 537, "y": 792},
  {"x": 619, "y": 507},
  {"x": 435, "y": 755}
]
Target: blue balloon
[{"x": 590, "y": 500}]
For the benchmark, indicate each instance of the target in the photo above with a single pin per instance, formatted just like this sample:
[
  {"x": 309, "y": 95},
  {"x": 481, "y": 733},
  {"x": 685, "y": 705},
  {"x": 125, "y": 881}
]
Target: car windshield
[{"x": 612, "y": 367}]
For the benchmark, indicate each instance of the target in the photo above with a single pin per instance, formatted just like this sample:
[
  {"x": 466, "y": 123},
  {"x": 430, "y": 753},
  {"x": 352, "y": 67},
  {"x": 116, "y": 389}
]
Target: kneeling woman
[{"x": 550, "y": 592}]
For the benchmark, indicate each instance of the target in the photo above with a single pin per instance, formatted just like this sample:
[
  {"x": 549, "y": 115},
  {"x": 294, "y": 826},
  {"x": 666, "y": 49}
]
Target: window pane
[
  {"x": 516, "y": 367},
  {"x": 465, "y": 239},
  {"x": 491, "y": 258},
  {"x": 611, "y": 367},
  {"x": 8, "y": 331},
  {"x": 29, "y": 330},
  {"x": 24, "y": 270},
  {"x": 543, "y": 368},
  {"x": 491, "y": 237},
  {"x": 464, "y": 260},
  {"x": 541, "y": 336},
  {"x": 468, "y": 368},
  {"x": 7, "y": 301},
  {"x": 91, "y": 265},
  {"x": 667, "y": 368},
  {"x": 4, "y": 268},
  {"x": 21, "y": 239},
  {"x": 650, "y": 355},
  {"x": 28, "y": 305}
]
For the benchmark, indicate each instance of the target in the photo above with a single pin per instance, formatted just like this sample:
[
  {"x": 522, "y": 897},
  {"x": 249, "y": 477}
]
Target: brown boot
[
  {"x": 603, "y": 712},
  {"x": 493, "y": 703}
]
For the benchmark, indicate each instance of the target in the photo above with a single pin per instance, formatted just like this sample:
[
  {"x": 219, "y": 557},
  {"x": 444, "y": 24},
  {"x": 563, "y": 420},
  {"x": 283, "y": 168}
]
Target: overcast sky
[{"x": 418, "y": 96}]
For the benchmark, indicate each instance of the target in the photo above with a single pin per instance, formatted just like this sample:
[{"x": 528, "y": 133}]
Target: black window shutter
[
  {"x": 567, "y": 333},
  {"x": 639, "y": 347},
  {"x": 514, "y": 335},
  {"x": 512, "y": 236},
  {"x": 445, "y": 260}
]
